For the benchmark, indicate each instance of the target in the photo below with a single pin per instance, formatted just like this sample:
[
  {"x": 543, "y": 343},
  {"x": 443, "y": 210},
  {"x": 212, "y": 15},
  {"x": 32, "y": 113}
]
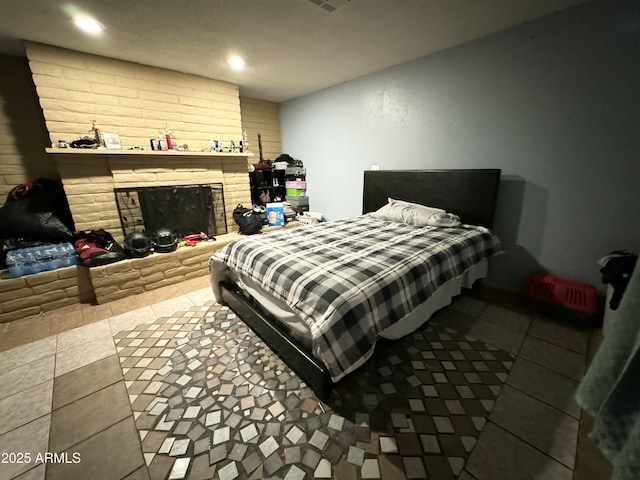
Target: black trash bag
[
  {"x": 17, "y": 220},
  {"x": 248, "y": 221},
  {"x": 37, "y": 210}
]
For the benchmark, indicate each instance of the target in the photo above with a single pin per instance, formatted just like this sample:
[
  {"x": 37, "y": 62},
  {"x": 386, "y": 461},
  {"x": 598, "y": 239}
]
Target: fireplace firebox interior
[{"x": 183, "y": 209}]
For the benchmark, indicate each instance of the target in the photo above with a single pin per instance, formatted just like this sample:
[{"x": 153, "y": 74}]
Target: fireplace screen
[{"x": 183, "y": 209}]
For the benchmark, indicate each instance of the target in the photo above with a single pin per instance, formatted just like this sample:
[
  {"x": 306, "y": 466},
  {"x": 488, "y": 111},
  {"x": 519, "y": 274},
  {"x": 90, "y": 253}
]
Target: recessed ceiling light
[
  {"x": 236, "y": 63},
  {"x": 89, "y": 25}
]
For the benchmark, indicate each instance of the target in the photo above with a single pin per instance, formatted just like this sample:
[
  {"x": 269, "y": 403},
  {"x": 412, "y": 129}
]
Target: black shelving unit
[{"x": 267, "y": 185}]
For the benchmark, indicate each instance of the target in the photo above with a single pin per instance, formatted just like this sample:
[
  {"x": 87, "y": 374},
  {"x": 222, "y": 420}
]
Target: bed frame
[{"x": 470, "y": 194}]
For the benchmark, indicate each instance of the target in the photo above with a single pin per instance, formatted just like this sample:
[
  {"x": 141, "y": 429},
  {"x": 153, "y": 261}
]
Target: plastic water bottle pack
[{"x": 27, "y": 261}]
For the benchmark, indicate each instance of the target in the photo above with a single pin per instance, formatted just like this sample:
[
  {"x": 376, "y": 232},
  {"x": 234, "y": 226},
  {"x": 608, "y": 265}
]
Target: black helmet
[
  {"x": 137, "y": 244},
  {"x": 164, "y": 241}
]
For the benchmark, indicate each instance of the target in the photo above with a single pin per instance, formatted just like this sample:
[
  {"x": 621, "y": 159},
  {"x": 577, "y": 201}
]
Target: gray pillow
[{"x": 416, "y": 214}]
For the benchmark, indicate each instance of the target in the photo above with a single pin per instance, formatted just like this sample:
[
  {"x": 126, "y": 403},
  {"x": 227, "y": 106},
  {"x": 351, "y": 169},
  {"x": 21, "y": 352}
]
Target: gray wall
[{"x": 554, "y": 103}]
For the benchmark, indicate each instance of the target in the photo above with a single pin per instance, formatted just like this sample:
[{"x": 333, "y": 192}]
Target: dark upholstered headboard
[{"x": 470, "y": 194}]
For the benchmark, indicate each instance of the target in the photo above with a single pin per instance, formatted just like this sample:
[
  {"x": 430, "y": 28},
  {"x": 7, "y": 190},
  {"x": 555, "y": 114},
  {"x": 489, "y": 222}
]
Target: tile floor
[{"x": 169, "y": 385}]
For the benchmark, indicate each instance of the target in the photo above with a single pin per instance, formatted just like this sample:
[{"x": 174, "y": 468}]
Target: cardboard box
[{"x": 275, "y": 214}]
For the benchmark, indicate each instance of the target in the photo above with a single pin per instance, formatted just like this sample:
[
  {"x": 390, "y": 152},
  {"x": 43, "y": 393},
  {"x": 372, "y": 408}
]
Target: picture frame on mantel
[{"x": 112, "y": 141}]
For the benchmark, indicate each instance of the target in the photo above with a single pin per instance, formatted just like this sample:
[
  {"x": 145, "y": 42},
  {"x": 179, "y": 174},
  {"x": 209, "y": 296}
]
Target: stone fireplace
[
  {"x": 90, "y": 178},
  {"x": 77, "y": 90},
  {"x": 134, "y": 101}
]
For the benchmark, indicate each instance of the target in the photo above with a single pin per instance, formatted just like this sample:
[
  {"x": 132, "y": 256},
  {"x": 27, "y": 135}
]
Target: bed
[{"x": 321, "y": 296}]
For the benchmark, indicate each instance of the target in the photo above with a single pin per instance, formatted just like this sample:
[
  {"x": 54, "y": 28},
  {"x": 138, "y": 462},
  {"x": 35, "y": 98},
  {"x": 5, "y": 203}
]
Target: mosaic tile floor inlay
[{"x": 212, "y": 397}]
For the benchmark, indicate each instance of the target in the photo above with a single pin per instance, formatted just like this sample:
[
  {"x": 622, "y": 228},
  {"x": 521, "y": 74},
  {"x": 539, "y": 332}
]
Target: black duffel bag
[{"x": 248, "y": 221}]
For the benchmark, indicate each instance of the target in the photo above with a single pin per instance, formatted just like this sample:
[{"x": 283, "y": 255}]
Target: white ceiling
[{"x": 291, "y": 47}]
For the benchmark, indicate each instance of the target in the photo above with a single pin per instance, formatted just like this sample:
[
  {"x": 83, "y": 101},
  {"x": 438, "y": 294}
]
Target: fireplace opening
[{"x": 183, "y": 209}]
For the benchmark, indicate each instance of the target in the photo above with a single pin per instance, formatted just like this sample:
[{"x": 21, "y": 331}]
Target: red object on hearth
[{"x": 193, "y": 239}]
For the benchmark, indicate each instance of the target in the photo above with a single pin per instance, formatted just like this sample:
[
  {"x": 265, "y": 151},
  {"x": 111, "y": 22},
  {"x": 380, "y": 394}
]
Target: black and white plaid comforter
[{"x": 350, "y": 279}]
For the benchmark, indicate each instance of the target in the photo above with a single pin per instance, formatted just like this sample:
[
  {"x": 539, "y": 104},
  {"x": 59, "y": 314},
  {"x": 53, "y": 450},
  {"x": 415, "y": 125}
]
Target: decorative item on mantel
[
  {"x": 162, "y": 143},
  {"x": 245, "y": 142},
  {"x": 221, "y": 146},
  {"x": 95, "y": 141},
  {"x": 112, "y": 141},
  {"x": 98, "y": 138}
]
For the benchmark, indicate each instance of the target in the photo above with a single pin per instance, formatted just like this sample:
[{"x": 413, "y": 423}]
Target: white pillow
[
  {"x": 416, "y": 214},
  {"x": 393, "y": 214},
  {"x": 421, "y": 212}
]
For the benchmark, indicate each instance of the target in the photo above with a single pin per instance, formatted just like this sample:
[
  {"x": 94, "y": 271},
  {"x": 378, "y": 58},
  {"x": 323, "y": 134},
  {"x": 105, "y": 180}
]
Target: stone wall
[
  {"x": 264, "y": 117},
  {"x": 132, "y": 100},
  {"x": 34, "y": 294},
  {"x": 136, "y": 101},
  {"x": 23, "y": 136}
]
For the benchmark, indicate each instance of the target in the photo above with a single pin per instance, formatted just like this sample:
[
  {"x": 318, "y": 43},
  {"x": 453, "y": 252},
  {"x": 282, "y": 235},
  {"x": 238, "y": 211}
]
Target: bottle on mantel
[
  {"x": 167, "y": 136},
  {"x": 163, "y": 142},
  {"x": 153, "y": 141}
]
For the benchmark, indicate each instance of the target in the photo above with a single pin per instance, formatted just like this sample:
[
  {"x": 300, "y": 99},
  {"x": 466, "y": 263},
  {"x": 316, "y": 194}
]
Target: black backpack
[{"x": 248, "y": 221}]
